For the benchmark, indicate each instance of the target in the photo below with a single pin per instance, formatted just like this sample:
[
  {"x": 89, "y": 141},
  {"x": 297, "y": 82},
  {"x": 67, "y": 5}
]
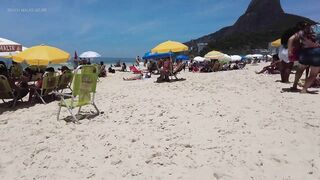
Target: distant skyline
[{"x": 124, "y": 28}]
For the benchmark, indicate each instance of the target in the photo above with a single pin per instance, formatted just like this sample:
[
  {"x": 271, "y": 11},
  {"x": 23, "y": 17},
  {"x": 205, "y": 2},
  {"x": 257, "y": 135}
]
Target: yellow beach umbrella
[
  {"x": 170, "y": 46},
  {"x": 214, "y": 55},
  {"x": 223, "y": 58},
  {"x": 42, "y": 55},
  {"x": 276, "y": 43}
]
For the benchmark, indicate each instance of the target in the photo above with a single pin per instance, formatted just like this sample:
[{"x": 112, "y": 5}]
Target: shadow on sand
[
  {"x": 172, "y": 80},
  {"x": 5, "y": 107},
  {"x": 81, "y": 116},
  {"x": 290, "y": 90}
]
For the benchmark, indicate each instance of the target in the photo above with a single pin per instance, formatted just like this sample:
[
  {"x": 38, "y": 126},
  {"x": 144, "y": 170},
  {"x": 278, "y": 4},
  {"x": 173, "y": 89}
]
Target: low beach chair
[
  {"x": 16, "y": 71},
  {"x": 65, "y": 80},
  {"x": 6, "y": 92},
  {"x": 83, "y": 91},
  {"x": 49, "y": 84},
  {"x": 176, "y": 70},
  {"x": 135, "y": 70}
]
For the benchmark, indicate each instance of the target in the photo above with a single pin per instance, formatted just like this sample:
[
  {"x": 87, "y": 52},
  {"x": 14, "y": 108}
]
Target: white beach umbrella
[
  {"x": 235, "y": 57},
  {"x": 225, "y": 58},
  {"x": 249, "y": 56},
  {"x": 9, "y": 54},
  {"x": 8, "y": 47},
  {"x": 90, "y": 54},
  {"x": 199, "y": 59},
  {"x": 259, "y": 56}
]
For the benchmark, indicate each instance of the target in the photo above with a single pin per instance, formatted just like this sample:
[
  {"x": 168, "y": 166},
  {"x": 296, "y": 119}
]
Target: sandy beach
[{"x": 218, "y": 126}]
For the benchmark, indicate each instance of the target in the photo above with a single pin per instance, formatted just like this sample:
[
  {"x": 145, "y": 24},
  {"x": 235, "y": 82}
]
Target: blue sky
[{"x": 123, "y": 28}]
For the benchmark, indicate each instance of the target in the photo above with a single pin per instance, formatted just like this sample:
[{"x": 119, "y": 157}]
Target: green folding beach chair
[
  {"x": 49, "y": 84},
  {"x": 6, "y": 92},
  {"x": 65, "y": 81},
  {"x": 83, "y": 91}
]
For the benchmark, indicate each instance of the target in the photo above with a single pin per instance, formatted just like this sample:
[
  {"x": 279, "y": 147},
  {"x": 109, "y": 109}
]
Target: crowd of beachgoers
[
  {"x": 215, "y": 115},
  {"x": 29, "y": 80},
  {"x": 299, "y": 51}
]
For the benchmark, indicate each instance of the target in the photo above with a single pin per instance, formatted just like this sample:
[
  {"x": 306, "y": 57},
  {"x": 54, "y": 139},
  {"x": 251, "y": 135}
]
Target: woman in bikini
[{"x": 310, "y": 55}]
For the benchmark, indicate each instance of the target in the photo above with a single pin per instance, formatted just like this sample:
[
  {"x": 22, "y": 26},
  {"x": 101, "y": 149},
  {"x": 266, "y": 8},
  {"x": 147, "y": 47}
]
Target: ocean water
[
  {"x": 106, "y": 60},
  {"x": 109, "y": 60}
]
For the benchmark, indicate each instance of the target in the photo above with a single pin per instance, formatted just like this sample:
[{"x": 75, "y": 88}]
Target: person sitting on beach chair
[
  {"x": 177, "y": 69},
  {"x": 273, "y": 68},
  {"x": 10, "y": 90},
  {"x": 16, "y": 70},
  {"x": 3, "y": 69},
  {"x": 64, "y": 79},
  {"x": 165, "y": 71},
  {"x": 44, "y": 86}
]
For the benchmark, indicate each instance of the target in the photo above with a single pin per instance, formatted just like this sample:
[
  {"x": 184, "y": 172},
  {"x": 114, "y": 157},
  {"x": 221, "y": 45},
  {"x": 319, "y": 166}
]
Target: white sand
[{"x": 224, "y": 125}]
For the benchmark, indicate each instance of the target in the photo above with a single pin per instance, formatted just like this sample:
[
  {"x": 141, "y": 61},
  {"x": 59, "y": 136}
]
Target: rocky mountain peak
[
  {"x": 262, "y": 22},
  {"x": 265, "y": 6}
]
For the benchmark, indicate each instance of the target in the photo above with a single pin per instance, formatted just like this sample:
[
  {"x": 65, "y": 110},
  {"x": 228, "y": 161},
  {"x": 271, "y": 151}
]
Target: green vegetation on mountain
[{"x": 263, "y": 22}]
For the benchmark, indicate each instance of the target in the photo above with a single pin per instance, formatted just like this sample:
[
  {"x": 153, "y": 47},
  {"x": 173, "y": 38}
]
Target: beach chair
[
  {"x": 16, "y": 71},
  {"x": 65, "y": 80},
  {"x": 135, "y": 70},
  {"x": 176, "y": 70},
  {"x": 83, "y": 91},
  {"x": 6, "y": 92},
  {"x": 36, "y": 77},
  {"x": 49, "y": 85}
]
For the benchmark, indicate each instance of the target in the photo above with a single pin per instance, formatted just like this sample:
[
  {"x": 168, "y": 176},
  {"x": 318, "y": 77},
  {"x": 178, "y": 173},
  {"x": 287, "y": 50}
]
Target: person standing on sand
[
  {"x": 138, "y": 60},
  {"x": 294, "y": 48},
  {"x": 309, "y": 55}
]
